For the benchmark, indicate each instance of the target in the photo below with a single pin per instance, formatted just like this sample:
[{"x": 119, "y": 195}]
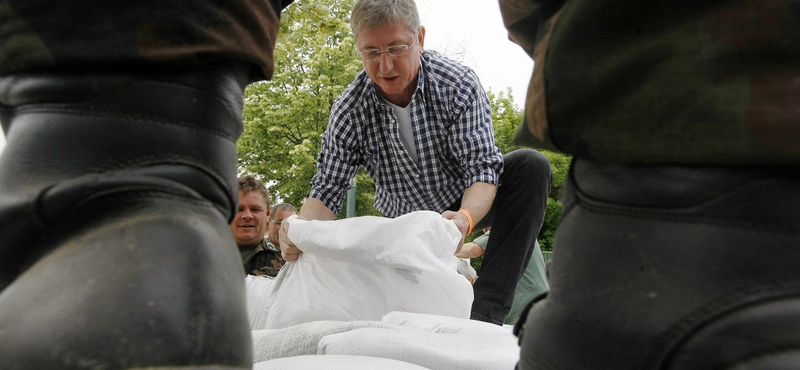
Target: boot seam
[
  {"x": 125, "y": 116},
  {"x": 692, "y": 322},
  {"x": 674, "y": 214}
]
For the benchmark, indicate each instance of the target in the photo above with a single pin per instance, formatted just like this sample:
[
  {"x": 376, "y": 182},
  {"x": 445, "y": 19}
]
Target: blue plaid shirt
[{"x": 452, "y": 122}]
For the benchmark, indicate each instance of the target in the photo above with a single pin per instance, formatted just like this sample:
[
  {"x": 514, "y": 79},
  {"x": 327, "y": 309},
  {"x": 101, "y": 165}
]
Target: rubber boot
[
  {"x": 115, "y": 194},
  {"x": 670, "y": 267}
]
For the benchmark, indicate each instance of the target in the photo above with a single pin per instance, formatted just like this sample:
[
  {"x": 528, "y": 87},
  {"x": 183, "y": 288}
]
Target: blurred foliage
[
  {"x": 506, "y": 117},
  {"x": 315, "y": 58}
]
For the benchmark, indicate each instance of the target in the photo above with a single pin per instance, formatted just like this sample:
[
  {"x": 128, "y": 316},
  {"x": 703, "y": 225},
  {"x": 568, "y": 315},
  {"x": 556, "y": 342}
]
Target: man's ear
[{"x": 421, "y": 39}]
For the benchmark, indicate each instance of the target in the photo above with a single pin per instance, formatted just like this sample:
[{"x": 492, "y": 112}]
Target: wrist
[{"x": 469, "y": 219}]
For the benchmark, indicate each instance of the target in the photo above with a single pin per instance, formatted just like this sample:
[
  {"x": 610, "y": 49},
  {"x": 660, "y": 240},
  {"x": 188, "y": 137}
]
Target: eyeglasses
[{"x": 394, "y": 51}]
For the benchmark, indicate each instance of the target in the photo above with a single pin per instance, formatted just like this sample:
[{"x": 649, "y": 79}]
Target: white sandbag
[
  {"x": 365, "y": 267},
  {"x": 256, "y": 289},
  {"x": 302, "y": 339},
  {"x": 335, "y": 363},
  {"x": 462, "y": 351},
  {"x": 465, "y": 268},
  {"x": 444, "y": 324}
]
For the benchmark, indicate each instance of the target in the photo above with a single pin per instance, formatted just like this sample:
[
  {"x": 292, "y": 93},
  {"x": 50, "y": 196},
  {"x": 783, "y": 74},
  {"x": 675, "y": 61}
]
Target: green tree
[
  {"x": 315, "y": 59},
  {"x": 506, "y": 117},
  {"x": 284, "y": 118}
]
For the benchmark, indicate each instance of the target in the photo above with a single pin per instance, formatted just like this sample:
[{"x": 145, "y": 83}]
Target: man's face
[
  {"x": 275, "y": 223},
  {"x": 396, "y": 77},
  {"x": 250, "y": 223}
]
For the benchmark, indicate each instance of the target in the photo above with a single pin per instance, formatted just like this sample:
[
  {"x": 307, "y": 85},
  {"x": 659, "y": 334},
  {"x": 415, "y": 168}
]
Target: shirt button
[
  {"x": 392, "y": 120},
  {"x": 416, "y": 175}
]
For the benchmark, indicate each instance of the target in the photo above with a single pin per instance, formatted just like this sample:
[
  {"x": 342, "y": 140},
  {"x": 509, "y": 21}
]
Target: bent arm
[
  {"x": 477, "y": 201},
  {"x": 470, "y": 250}
]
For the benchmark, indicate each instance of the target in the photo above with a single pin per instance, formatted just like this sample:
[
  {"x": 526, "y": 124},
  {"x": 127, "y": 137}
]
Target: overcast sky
[
  {"x": 472, "y": 31},
  {"x": 475, "y": 28}
]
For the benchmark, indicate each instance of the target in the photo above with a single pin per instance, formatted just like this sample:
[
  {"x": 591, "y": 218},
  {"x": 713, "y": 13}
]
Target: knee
[{"x": 530, "y": 162}]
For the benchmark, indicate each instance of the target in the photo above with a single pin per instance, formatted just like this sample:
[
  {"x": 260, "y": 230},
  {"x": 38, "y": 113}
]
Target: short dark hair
[{"x": 249, "y": 183}]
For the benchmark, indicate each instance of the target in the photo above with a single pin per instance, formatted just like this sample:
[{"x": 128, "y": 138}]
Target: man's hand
[
  {"x": 476, "y": 200},
  {"x": 313, "y": 209},
  {"x": 461, "y": 222},
  {"x": 289, "y": 251}
]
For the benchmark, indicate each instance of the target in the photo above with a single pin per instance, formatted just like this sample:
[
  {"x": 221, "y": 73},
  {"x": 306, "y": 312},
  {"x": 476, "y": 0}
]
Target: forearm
[
  {"x": 478, "y": 199},
  {"x": 315, "y": 209},
  {"x": 470, "y": 250}
]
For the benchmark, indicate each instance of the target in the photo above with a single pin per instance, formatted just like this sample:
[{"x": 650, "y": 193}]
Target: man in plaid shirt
[{"x": 420, "y": 124}]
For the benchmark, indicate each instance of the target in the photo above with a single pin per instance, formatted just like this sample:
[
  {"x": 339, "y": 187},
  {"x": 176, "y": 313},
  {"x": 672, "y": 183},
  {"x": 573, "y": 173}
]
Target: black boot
[
  {"x": 115, "y": 196},
  {"x": 671, "y": 268}
]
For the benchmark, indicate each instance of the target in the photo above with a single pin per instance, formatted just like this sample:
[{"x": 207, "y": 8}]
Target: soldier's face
[{"x": 250, "y": 223}]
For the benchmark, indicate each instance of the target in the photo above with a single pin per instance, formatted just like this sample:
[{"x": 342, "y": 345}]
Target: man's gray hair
[
  {"x": 368, "y": 14},
  {"x": 279, "y": 207}
]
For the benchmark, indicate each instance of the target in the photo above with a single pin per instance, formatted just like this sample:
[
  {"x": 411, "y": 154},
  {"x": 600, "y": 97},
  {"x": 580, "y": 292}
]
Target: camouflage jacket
[
  {"x": 662, "y": 82},
  {"x": 85, "y": 34},
  {"x": 263, "y": 258}
]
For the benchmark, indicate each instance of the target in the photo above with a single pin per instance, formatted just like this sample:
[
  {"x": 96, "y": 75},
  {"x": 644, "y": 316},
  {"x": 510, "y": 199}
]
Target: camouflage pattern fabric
[
  {"x": 266, "y": 259},
  {"x": 662, "y": 82},
  {"x": 87, "y": 34}
]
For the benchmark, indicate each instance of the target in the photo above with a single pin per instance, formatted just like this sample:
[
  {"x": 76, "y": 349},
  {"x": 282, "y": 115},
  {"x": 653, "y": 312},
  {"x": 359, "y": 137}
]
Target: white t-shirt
[{"x": 403, "y": 115}]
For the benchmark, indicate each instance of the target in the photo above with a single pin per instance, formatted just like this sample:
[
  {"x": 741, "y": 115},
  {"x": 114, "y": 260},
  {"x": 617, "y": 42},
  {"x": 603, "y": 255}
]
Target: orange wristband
[{"x": 469, "y": 218}]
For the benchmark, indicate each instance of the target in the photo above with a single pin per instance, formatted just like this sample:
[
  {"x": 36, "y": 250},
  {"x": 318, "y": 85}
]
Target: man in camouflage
[
  {"x": 678, "y": 245},
  {"x": 271, "y": 243},
  {"x": 118, "y": 180},
  {"x": 259, "y": 255}
]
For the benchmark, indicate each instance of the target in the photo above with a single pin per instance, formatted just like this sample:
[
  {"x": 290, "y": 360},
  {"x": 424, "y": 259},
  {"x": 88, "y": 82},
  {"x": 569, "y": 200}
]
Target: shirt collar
[{"x": 262, "y": 245}]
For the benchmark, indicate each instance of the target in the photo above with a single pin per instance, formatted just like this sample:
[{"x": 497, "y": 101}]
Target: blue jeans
[{"x": 522, "y": 202}]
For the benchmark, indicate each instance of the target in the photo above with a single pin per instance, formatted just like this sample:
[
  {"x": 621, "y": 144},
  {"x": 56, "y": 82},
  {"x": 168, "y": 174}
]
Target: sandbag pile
[
  {"x": 409, "y": 339},
  {"x": 362, "y": 268}
]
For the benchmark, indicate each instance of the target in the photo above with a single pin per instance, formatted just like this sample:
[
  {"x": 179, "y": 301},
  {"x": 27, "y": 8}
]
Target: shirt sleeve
[
  {"x": 482, "y": 240},
  {"x": 472, "y": 136},
  {"x": 338, "y": 160}
]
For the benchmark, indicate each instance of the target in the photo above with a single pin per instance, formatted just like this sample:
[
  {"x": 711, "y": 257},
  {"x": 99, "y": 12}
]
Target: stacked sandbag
[
  {"x": 336, "y": 363},
  {"x": 362, "y": 268},
  {"x": 426, "y": 341}
]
